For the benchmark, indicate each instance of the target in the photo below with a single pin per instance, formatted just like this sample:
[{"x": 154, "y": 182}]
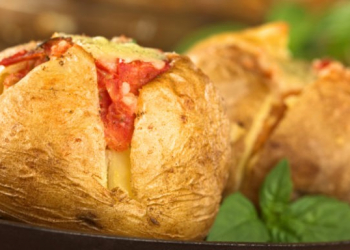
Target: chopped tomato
[
  {"x": 22, "y": 56},
  {"x": 118, "y": 87},
  {"x": 31, "y": 59},
  {"x": 57, "y": 46},
  {"x": 322, "y": 64},
  {"x": 28, "y": 61},
  {"x": 118, "y": 98}
]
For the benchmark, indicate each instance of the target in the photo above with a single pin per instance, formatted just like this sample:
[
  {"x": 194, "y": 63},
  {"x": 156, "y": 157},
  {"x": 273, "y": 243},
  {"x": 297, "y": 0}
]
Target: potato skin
[
  {"x": 314, "y": 136},
  {"x": 312, "y": 131},
  {"x": 52, "y": 153},
  {"x": 246, "y": 90},
  {"x": 181, "y": 126},
  {"x": 246, "y": 68}
]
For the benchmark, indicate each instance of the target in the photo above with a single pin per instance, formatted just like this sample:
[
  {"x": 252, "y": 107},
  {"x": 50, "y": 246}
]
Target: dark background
[{"x": 155, "y": 23}]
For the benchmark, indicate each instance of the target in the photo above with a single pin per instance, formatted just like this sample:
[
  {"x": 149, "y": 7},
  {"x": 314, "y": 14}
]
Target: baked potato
[
  {"x": 254, "y": 73},
  {"x": 314, "y": 136},
  {"x": 151, "y": 161},
  {"x": 295, "y": 111}
]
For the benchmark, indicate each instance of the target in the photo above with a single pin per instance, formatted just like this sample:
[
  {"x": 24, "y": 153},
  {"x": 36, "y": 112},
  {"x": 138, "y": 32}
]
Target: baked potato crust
[
  {"x": 247, "y": 67},
  {"x": 52, "y": 153},
  {"x": 313, "y": 136}
]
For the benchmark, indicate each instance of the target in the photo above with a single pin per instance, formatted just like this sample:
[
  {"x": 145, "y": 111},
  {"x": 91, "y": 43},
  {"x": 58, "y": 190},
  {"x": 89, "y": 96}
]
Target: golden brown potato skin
[
  {"x": 245, "y": 90},
  {"x": 312, "y": 130},
  {"x": 251, "y": 69},
  {"x": 52, "y": 153},
  {"x": 314, "y": 136}
]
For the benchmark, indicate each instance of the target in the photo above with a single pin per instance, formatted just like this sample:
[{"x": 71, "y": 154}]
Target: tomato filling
[
  {"x": 322, "y": 64},
  {"x": 118, "y": 86},
  {"x": 118, "y": 92}
]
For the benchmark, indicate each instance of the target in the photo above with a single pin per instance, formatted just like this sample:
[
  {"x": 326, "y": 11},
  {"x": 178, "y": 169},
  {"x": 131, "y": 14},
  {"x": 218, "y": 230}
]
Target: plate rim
[{"x": 109, "y": 237}]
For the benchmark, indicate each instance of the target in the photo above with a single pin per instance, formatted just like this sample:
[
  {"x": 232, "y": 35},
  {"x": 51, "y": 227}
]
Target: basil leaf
[
  {"x": 275, "y": 193},
  {"x": 238, "y": 221},
  {"x": 315, "y": 34},
  {"x": 309, "y": 219},
  {"x": 318, "y": 219},
  {"x": 281, "y": 233},
  {"x": 331, "y": 33}
]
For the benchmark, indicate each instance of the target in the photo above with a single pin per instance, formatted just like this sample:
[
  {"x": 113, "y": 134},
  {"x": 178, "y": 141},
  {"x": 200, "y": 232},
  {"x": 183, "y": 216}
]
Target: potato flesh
[{"x": 119, "y": 166}]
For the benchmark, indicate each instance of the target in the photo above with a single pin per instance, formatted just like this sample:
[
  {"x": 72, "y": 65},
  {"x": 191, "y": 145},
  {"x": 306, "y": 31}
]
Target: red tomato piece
[
  {"x": 118, "y": 89},
  {"x": 122, "y": 87}
]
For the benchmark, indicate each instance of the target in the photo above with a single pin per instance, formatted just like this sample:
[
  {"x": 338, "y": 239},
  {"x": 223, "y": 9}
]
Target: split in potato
[{"x": 56, "y": 169}]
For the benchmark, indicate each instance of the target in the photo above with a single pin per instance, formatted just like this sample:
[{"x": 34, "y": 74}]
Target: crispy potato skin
[
  {"x": 52, "y": 153},
  {"x": 246, "y": 68},
  {"x": 181, "y": 126},
  {"x": 312, "y": 131},
  {"x": 314, "y": 136},
  {"x": 245, "y": 90}
]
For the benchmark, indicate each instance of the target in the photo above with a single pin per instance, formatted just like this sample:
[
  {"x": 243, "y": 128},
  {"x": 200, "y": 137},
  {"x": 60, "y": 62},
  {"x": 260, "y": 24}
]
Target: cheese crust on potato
[{"x": 57, "y": 170}]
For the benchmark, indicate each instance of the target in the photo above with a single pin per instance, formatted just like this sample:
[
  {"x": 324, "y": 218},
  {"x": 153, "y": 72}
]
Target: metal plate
[{"x": 17, "y": 236}]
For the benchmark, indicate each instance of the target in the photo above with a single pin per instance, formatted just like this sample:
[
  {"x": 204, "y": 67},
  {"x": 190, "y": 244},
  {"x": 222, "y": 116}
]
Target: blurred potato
[
  {"x": 296, "y": 111},
  {"x": 253, "y": 71},
  {"x": 314, "y": 136}
]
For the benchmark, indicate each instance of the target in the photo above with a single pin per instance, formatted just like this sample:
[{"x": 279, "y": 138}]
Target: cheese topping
[
  {"x": 107, "y": 51},
  {"x": 119, "y": 170}
]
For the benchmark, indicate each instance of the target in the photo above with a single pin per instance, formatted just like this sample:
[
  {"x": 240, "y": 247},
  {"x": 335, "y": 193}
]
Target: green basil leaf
[
  {"x": 275, "y": 193},
  {"x": 318, "y": 219},
  {"x": 238, "y": 221},
  {"x": 331, "y": 33},
  {"x": 280, "y": 233}
]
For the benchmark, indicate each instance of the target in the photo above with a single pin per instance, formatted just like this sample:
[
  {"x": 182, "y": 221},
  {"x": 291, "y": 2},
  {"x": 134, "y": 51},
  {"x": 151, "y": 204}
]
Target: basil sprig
[
  {"x": 238, "y": 221},
  {"x": 309, "y": 219}
]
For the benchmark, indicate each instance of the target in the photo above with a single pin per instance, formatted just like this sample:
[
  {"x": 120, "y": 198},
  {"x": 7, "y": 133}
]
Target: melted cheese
[
  {"x": 119, "y": 170},
  {"x": 2, "y": 77},
  {"x": 251, "y": 139},
  {"x": 108, "y": 51}
]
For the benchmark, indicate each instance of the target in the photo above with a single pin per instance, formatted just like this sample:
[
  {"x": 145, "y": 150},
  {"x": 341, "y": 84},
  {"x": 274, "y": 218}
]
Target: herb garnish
[{"x": 309, "y": 219}]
